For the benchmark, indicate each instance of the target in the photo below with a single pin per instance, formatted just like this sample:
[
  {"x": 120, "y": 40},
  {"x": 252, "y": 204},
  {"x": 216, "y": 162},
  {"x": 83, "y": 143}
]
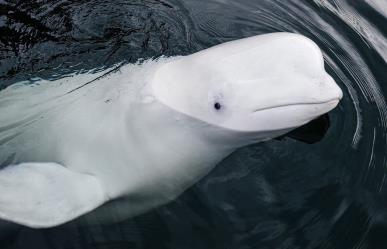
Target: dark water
[{"x": 279, "y": 194}]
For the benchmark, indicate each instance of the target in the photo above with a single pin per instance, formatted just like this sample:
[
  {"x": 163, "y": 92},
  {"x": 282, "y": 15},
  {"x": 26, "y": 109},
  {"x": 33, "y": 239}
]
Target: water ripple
[{"x": 273, "y": 195}]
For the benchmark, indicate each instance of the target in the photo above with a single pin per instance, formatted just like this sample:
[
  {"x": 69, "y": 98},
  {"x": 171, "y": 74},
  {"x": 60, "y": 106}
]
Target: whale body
[{"x": 148, "y": 131}]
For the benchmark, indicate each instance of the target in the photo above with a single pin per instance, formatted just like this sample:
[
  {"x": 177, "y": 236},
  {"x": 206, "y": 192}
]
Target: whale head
[{"x": 263, "y": 86}]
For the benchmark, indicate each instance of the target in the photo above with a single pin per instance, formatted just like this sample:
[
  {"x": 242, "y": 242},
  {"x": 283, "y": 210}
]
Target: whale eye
[{"x": 217, "y": 106}]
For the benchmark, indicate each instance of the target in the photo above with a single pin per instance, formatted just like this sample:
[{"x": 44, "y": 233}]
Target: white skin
[{"x": 150, "y": 141}]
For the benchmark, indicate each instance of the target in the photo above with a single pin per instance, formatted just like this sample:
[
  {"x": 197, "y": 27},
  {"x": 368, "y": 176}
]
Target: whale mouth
[{"x": 331, "y": 103}]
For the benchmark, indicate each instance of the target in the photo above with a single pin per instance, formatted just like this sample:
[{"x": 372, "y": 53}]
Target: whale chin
[
  {"x": 281, "y": 119},
  {"x": 311, "y": 132}
]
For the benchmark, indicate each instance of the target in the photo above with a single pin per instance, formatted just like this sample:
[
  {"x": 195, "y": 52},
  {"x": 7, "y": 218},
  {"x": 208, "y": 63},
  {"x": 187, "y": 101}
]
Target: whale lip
[{"x": 331, "y": 102}]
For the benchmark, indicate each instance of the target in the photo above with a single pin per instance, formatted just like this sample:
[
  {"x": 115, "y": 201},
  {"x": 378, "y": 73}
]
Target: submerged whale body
[{"x": 149, "y": 131}]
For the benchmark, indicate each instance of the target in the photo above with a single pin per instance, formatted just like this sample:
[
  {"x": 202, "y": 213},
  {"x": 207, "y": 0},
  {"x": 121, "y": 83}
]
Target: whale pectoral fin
[{"x": 46, "y": 194}]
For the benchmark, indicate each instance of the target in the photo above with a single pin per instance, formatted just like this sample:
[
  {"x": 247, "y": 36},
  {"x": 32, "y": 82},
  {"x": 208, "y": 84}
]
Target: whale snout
[
  {"x": 333, "y": 91},
  {"x": 291, "y": 106},
  {"x": 288, "y": 86},
  {"x": 307, "y": 75},
  {"x": 299, "y": 75},
  {"x": 306, "y": 61}
]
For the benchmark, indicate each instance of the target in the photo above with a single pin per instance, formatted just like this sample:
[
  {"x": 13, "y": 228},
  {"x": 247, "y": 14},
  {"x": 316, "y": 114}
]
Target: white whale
[{"x": 150, "y": 130}]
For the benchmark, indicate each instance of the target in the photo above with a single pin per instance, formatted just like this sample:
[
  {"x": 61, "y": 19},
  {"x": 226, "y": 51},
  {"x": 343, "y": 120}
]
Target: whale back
[{"x": 29, "y": 108}]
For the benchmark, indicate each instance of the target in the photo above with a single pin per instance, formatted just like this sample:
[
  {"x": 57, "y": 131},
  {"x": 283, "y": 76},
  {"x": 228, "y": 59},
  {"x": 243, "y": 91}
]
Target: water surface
[{"x": 278, "y": 194}]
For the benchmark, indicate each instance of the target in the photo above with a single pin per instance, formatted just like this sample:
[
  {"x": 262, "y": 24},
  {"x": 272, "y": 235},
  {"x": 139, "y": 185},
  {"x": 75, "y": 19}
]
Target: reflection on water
[{"x": 279, "y": 194}]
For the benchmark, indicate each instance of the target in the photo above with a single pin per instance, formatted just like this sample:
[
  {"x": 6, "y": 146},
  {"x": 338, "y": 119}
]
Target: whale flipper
[{"x": 46, "y": 194}]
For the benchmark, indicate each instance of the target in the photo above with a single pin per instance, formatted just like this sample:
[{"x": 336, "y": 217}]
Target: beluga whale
[{"x": 148, "y": 131}]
